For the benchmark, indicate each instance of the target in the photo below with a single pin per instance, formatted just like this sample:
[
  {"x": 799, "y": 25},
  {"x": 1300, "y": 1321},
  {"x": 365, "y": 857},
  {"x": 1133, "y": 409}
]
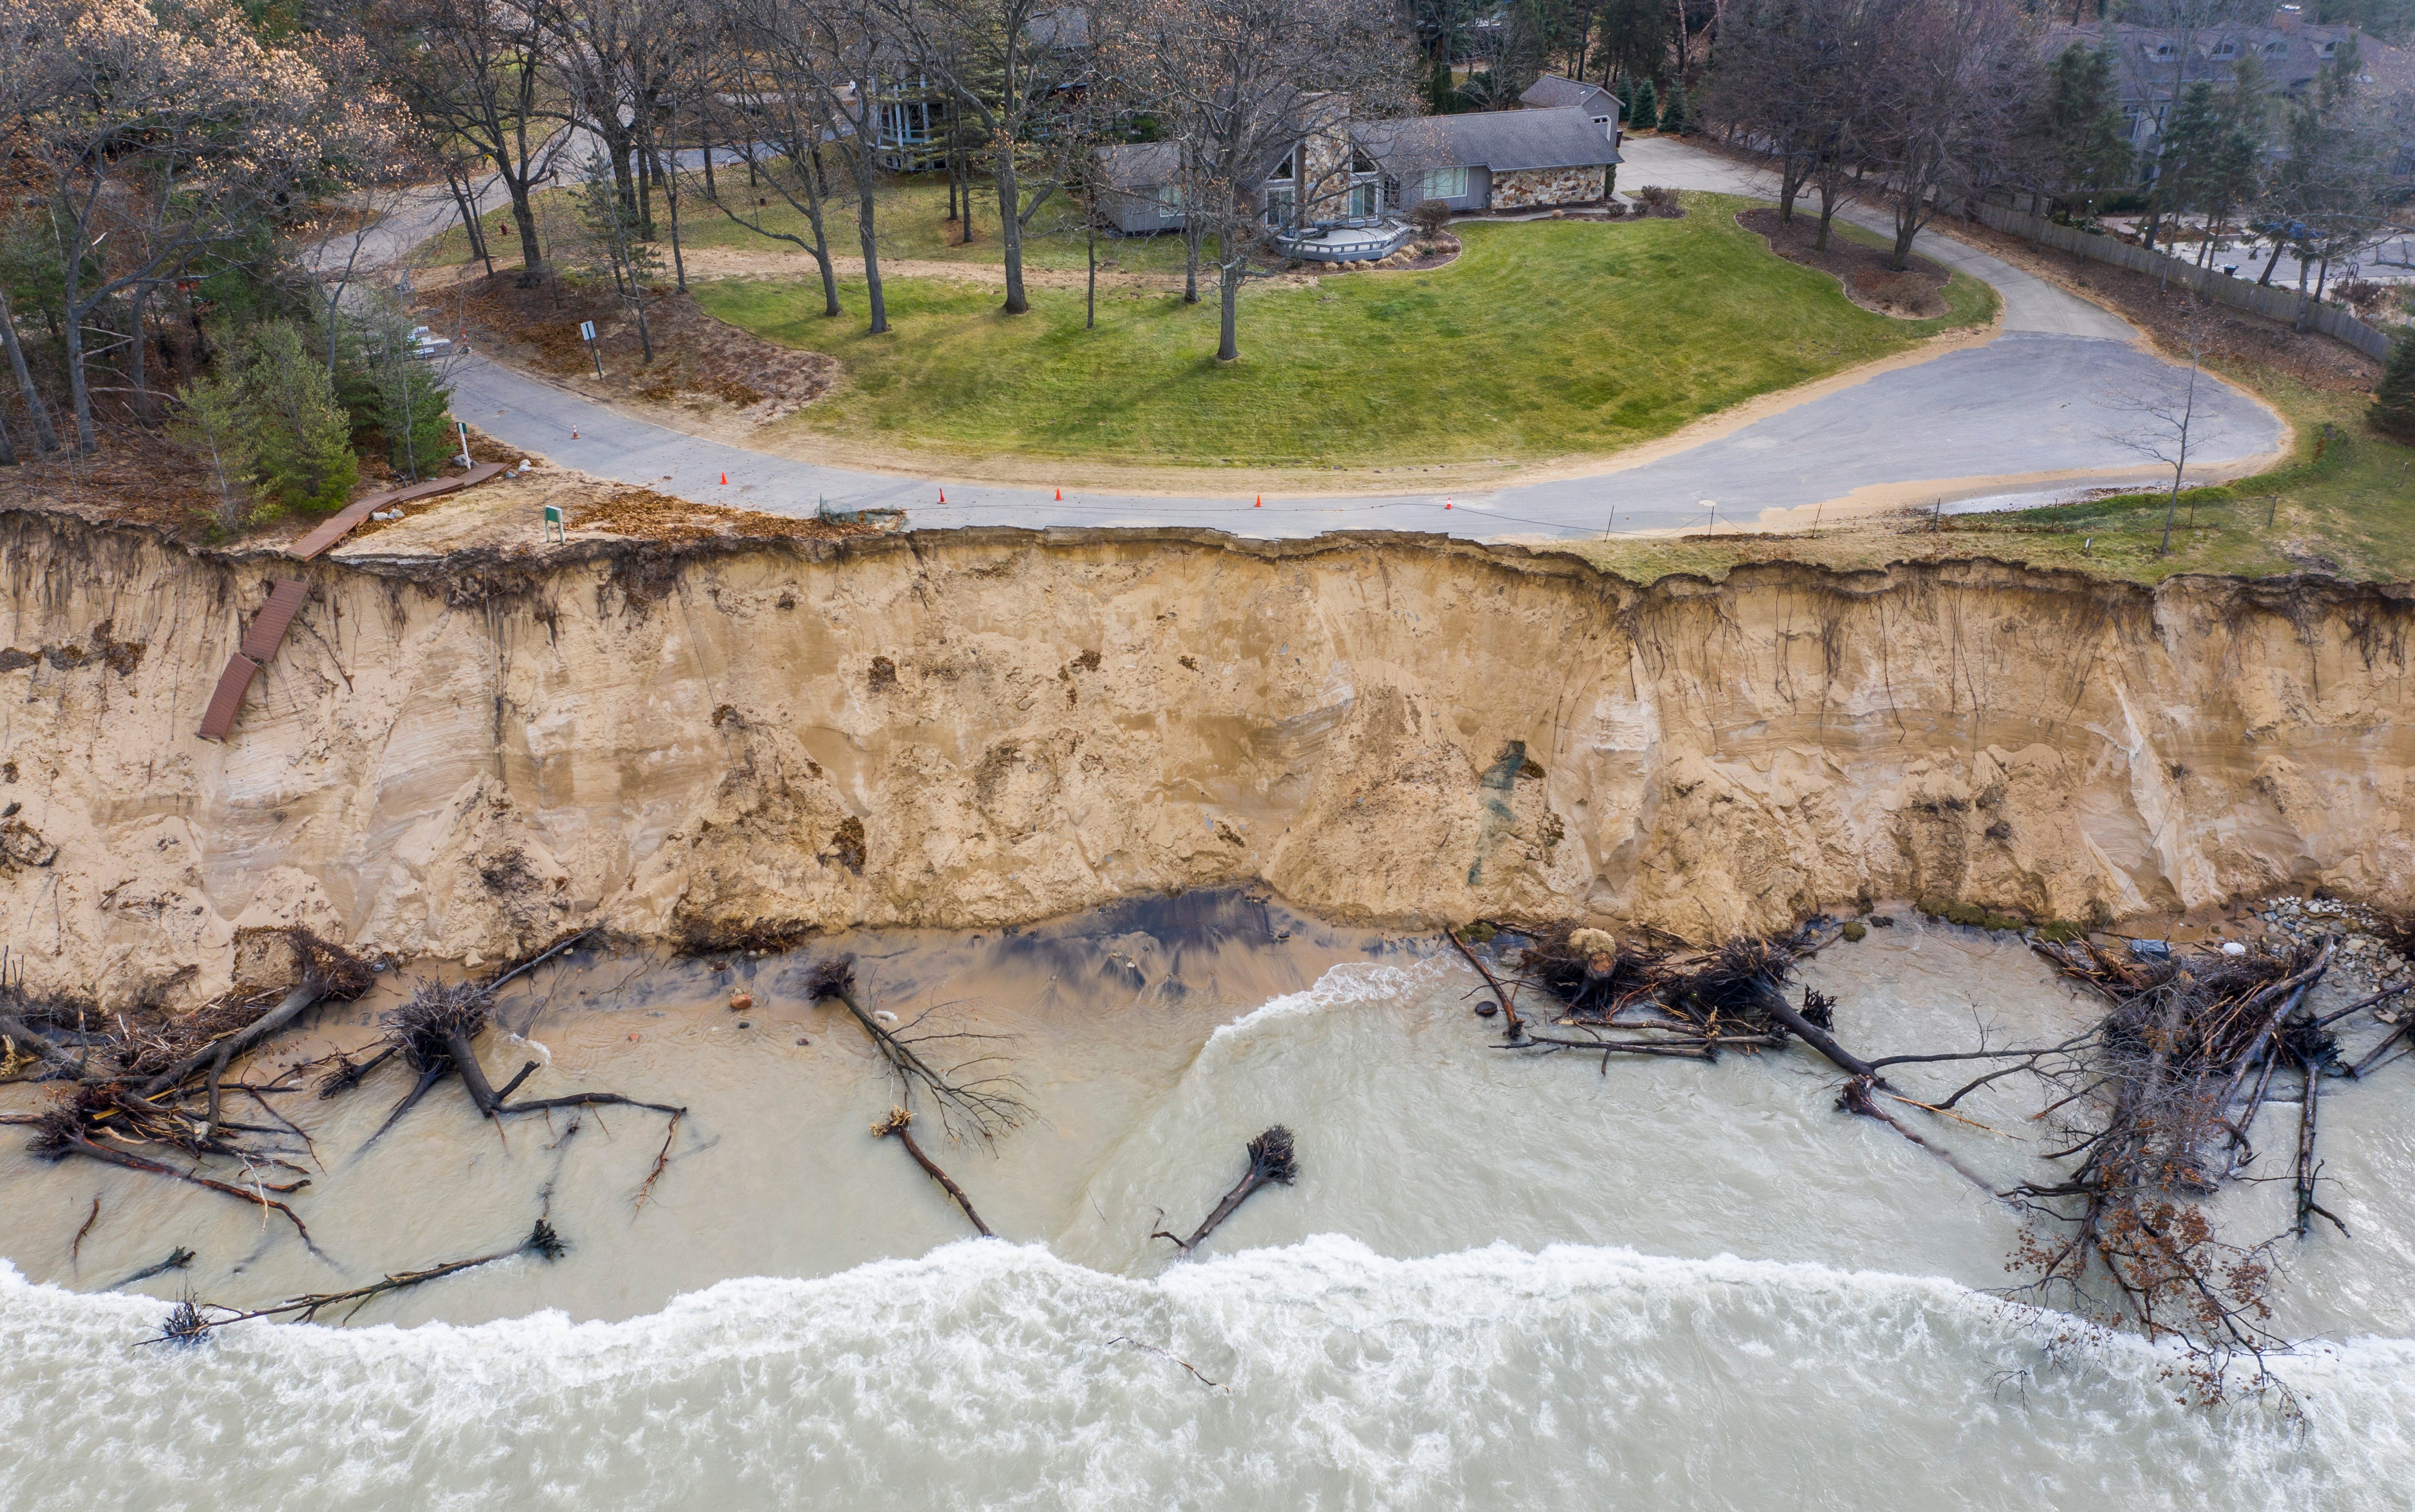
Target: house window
[
  {"x": 1362, "y": 200},
  {"x": 2226, "y": 49},
  {"x": 1445, "y": 182},
  {"x": 1281, "y": 170},
  {"x": 2326, "y": 49},
  {"x": 1604, "y": 122},
  {"x": 1169, "y": 200},
  {"x": 2163, "y": 50},
  {"x": 1281, "y": 204},
  {"x": 1361, "y": 163}
]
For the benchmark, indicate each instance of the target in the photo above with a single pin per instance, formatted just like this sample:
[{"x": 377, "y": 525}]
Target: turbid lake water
[{"x": 1500, "y": 1280}]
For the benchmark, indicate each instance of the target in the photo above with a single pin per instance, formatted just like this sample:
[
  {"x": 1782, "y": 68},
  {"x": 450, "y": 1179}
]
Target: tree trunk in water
[
  {"x": 1010, "y": 228},
  {"x": 1227, "y": 346}
]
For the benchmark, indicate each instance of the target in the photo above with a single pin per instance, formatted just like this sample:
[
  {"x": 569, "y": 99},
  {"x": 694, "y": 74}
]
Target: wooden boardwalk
[{"x": 286, "y": 598}]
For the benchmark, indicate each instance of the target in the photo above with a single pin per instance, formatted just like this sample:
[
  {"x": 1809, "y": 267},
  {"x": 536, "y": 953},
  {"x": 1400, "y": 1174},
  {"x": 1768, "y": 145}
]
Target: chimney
[{"x": 2286, "y": 18}]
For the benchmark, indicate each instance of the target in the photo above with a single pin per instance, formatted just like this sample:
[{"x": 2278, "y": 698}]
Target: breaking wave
[{"x": 990, "y": 1374}]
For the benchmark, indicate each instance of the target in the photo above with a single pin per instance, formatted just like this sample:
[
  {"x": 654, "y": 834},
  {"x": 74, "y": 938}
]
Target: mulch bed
[
  {"x": 643, "y": 515},
  {"x": 1916, "y": 294},
  {"x": 2241, "y": 335},
  {"x": 694, "y": 355}
]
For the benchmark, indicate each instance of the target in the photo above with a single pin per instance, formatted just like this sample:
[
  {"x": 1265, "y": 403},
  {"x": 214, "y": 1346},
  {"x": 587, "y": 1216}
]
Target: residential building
[
  {"x": 1351, "y": 173},
  {"x": 2153, "y": 65},
  {"x": 1552, "y": 92}
]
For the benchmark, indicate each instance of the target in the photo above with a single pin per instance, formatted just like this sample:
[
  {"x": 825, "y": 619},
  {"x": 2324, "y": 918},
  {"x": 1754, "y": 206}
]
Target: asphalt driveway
[{"x": 2030, "y": 414}]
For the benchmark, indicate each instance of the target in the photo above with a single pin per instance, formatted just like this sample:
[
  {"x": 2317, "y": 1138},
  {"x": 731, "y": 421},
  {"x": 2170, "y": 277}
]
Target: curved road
[{"x": 2014, "y": 418}]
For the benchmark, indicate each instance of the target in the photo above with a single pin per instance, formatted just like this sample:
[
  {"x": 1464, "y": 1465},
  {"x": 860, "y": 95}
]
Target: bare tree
[
  {"x": 773, "y": 106},
  {"x": 1794, "y": 84},
  {"x": 2164, "y": 424},
  {"x": 1009, "y": 64},
  {"x": 166, "y": 135},
  {"x": 1260, "y": 93},
  {"x": 1949, "y": 84},
  {"x": 472, "y": 71}
]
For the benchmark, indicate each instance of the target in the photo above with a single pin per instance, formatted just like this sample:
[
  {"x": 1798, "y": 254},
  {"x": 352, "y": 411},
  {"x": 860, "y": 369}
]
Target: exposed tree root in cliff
[
  {"x": 190, "y": 1322},
  {"x": 966, "y": 1093},
  {"x": 1271, "y": 1159},
  {"x": 434, "y": 1034},
  {"x": 894, "y": 1127}
]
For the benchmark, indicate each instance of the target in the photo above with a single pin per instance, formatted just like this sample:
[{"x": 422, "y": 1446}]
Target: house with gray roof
[
  {"x": 1375, "y": 170},
  {"x": 1552, "y": 92}
]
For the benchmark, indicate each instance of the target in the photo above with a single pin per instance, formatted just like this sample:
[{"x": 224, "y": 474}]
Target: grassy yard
[
  {"x": 1545, "y": 339},
  {"x": 911, "y": 215}
]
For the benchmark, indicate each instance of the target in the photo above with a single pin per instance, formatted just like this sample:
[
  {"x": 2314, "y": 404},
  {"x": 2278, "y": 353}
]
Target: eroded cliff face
[{"x": 977, "y": 728}]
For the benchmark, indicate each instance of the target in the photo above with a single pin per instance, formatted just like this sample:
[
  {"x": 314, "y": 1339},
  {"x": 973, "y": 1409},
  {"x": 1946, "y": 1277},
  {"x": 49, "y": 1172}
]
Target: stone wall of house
[
  {"x": 1530, "y": 187},
  {"x": 1325, "y": 157}
]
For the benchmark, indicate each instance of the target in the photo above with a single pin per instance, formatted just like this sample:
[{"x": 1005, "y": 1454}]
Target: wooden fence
[{"x": 2211, "y": 283}]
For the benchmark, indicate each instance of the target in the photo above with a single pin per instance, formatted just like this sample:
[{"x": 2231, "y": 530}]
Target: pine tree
[
  {"x": 300, "y": 435},
  {"x": 1672, "y": 120},
  {"x": 2393, "y": 399},
  {"x": 209, "y": 423},
  {"x": 1647, "y": 107}
]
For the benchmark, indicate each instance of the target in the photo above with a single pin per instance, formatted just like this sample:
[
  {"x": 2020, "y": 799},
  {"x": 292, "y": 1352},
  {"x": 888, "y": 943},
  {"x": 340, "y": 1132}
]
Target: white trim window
[
  {"x": 1445, "y": 182},
  {"x": 1169, "y": 201}
]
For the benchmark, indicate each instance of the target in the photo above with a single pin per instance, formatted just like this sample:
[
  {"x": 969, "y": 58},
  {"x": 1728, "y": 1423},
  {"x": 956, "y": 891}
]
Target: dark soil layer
[
  {"x": 1916, "y": 294},
  {"x": 2239, "y": 335}
]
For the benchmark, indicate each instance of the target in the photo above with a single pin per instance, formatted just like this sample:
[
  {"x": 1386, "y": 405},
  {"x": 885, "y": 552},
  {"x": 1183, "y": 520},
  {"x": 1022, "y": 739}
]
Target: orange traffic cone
[
  {"x": 574, "y": 433},
  {"x": 943, "y": 496},
  {"x": 1060, "y": 496},
  {"x": 1446, "y": 504},
  {"x": 1261, "y": 504},
  {"x": 725, "y": 477}
]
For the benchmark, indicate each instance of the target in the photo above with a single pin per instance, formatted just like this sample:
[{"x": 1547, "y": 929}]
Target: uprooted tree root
[
  {"x": 433, "y": 1033},
  {"x": 109, "y": 1122},
  {"x": 896, "y": 1127},
  {"x": 190, "y": 1322},
  {"x": 1271, "y": 1159},
  {"x": 2148, "y": 1104},
  {"x": 2147, "y": 1100},
  {"x": 970, "y": 1094}
]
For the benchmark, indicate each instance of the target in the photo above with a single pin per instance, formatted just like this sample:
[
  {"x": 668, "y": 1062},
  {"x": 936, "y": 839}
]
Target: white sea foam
[
  {"x": 1343, "y": 986},
  {"x": 990, "y": 1374}
]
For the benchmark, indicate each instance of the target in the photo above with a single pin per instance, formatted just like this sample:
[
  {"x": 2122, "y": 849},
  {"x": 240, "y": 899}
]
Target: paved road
[{"x": 2042, "y": 398}]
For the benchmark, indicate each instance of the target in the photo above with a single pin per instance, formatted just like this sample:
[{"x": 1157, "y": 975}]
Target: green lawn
[
  {"x": 911, "y": 215},
  {"x": 1545, "y": 339}
]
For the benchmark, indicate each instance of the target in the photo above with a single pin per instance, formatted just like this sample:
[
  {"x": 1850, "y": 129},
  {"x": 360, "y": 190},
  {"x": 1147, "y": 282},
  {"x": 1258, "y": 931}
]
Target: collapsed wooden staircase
[{"x": 287, "y": 596}]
